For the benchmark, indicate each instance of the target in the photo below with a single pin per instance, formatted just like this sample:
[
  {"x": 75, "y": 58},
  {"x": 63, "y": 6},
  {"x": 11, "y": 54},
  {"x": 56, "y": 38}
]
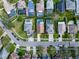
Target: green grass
[
  {"x": 44, "y": 36},
  {"x": 19, "y": 28},
  {"x": 13, "y": 1},
  {"x": 3, "y": 14},
  {"x": 1, "y": 4},
  {"x": 5, "y": 40},
  {"x": 10, "y": 48},
  {"x": 51, "y": 50},
  {"x": 1, "y": 31},
  {"x": 56, "y": 1}
]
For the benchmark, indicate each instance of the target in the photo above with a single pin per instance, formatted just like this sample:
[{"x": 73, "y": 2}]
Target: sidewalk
[{"x": 30, "y": 39}]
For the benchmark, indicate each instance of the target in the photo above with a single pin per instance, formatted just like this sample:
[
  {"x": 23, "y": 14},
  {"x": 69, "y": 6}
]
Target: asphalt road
[{"x": 29, "y": 43}]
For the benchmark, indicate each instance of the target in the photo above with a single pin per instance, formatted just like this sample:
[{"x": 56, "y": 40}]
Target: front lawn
[
  {"x": 5, "y": 40},
  {"x": 44, "y": 36},
  {"x": 3, "y": 14},
  {"x": 21, "y": 52}
]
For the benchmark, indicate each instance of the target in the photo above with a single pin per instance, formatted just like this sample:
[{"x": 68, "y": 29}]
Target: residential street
[{"x": 25, "y": 43}]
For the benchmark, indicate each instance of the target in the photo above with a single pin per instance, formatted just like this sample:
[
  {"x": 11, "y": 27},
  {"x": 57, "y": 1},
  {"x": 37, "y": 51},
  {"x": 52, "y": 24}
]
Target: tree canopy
[
  {"x": 51, "y": 50},
  {"x": 21, "y": 52}
]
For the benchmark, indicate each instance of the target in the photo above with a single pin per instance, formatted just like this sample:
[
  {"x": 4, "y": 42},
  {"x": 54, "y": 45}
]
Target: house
[
  {"x": 21, "y": 5},
  {"x": 34, "y": 57},
  {"x": 4, "y": 54},
  {"x": 28, "y": 26},
  {"x": 72, "y": 27},
  {"x": 49, "y": 6},
  {"x": 61, "y": 6},
  {"x": 49, "y": 26},
  {"x": 61, "y": 27},
  {"x": 45, "y": 56},
  {"x": 40, "y": 8},
  {"x": 14, "y": 56},
  {"x": 78, "y": 25},
  {"x": 70, "y": 5},
  {"x": 26, "y": 57},
  {"x": 77, "y": 7},
  {"x": 10, "y": 9},
  {"x": 31, "y": 8},
  {"x": 40, "y": 26}
]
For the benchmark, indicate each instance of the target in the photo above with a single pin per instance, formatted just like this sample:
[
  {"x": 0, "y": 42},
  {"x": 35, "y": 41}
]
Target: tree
[
  {"x": 69, "y": 15},
  {"x": 11, "y": 48},
  {"x": 31, "y": 53},
  {"x": 56, "y": 35},
  {"x": 66, "y": 35},
  {"x": 51, "y": 51},
  {"x": 72, "y": 52},
  {"x": 44, "y": 36},
  {"x": 20, "y": 18},
  {"x": 63, "y": 52},
  {"x": 35, "y": 1},
  {"x": 21, "y": 52},
  {"x": 56, "y": 1},
  {"x": 40, "y": 51},
  {"x": 77, "y": 35}
]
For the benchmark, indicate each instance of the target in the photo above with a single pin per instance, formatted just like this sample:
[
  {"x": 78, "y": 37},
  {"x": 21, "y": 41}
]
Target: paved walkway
[{"x": 51, "y": 37}]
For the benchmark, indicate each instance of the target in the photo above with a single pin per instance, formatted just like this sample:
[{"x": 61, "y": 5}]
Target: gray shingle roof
[{"x": 70, "y": 5}]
